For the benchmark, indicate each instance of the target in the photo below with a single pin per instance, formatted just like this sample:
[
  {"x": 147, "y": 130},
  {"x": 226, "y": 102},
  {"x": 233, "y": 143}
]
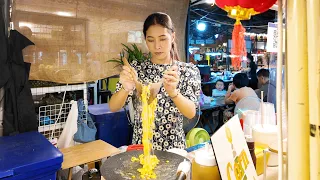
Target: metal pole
[
  {"x": 279, "y": 89},
  {"x": 298, "y": 98},
  {"x": 265, "y": 151},
  {"x": 313, "y": 24}
]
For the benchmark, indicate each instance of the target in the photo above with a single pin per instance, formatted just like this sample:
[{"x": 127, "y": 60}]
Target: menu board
[{"x": 232, "y": 153}]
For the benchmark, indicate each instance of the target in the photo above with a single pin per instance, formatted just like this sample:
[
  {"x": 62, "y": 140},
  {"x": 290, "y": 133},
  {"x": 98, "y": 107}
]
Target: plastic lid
[
  {"x": 266, "y": 128},
  {"x": 205, "y": 156},
  {"x": 197, "y": 136},
  {"x": 249, "y": 138}
]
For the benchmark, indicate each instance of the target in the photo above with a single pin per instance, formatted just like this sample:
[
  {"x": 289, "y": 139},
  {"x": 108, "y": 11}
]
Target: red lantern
[{"x": 242, "y": 10}]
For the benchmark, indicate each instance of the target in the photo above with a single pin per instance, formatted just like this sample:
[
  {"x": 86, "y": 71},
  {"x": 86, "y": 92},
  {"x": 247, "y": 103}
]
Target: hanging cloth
[{"x": 19, "y": 110}]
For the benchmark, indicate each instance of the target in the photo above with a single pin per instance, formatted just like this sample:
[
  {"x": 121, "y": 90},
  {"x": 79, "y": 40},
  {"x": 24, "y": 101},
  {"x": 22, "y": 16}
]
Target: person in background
[
  {"x": 219, "y": 90},
  {"x": 239, "y": 88},
  {"x": 191, "y": 59},
  {"x": 253, "y": 83},
  {"x": 263, "y": 81}
]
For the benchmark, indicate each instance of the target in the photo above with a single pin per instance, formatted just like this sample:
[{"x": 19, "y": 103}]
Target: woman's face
[{"x": 159, "y": 42}]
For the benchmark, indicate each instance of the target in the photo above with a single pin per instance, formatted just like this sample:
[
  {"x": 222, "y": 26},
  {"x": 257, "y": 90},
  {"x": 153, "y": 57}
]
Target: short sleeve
[{"x": 192, "y": 80}]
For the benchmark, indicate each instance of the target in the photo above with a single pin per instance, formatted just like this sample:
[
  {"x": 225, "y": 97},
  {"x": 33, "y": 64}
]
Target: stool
[{"x": 85, "y": 154}]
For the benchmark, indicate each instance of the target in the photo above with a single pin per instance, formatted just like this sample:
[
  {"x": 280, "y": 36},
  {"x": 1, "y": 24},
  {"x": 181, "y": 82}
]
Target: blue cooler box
[
  {"x": 112, "y": 128},
  {"x": 28, "y": 156}
]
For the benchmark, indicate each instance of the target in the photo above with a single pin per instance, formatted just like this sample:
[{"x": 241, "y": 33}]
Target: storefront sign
[
  {"x": 272, "y": 38},
  {"x": 209, "y": 41},
  {"x": 199, "y": 41},
  {"x": 232, "y": 153}
]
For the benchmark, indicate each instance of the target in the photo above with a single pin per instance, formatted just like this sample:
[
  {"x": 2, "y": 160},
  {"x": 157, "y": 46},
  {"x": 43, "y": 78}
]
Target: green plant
[{"x": 134, "y": 53}]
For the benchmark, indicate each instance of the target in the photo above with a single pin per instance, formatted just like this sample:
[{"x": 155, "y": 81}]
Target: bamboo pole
[
  {"x": 313, "y": 24},
  {"x": 298, "y": 98},
  {"x": 279, "y": 89}
]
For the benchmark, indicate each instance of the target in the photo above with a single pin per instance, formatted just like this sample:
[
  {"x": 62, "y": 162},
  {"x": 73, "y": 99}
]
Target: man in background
[{"x": 263, "y": 83}]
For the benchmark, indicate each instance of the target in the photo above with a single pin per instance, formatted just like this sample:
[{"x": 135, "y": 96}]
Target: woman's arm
[
  {"x": 227, "y": 99},
  {"x": 118, "y": 100},
  {"x": 184, "y": 105}
]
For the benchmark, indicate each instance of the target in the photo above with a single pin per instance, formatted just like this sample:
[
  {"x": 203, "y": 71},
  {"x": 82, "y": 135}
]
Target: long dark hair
[
  {"x": 253, "y": 72},
  {"x": 165, "y": 21}
]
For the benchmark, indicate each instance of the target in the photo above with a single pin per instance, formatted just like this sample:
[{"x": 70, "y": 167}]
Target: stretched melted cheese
[{"x": 148, "y": 161}]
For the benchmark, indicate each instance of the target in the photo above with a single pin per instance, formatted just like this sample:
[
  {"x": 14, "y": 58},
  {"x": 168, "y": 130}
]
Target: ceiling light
[
  {"x": 29, "y": 25},
  {"x": 216, "y": 36},
  {"x": 201, "y": 26},
  {"x": 67, "y": 14}
]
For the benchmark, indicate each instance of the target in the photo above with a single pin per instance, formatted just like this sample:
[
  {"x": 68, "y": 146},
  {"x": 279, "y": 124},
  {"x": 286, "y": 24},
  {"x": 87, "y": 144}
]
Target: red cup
[{"x": 241, "y": 122}]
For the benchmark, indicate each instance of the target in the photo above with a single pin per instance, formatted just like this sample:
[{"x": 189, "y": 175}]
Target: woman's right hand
[
  {"x": 127, "y": 78},
  {"x": 231, "y": 87}
]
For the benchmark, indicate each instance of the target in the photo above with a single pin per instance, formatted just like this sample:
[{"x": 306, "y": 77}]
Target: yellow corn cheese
[{"x": 148, "y": 161}]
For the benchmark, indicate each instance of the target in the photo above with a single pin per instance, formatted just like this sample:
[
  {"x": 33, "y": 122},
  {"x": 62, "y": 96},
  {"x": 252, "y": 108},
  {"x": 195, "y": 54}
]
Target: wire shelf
[
  {"x": 49, "y": 115},
  {"x": 44, "y": 90}
]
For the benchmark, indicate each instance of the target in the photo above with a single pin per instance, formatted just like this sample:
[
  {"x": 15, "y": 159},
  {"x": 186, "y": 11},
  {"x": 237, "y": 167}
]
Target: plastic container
[
  {"x": 266, "y": 135},
  {"x": 28, "y": 156},
  {"x": 112, "y": 128},
  {"x": 251, "y": 147},
  {"x": 204, "y": 166}
]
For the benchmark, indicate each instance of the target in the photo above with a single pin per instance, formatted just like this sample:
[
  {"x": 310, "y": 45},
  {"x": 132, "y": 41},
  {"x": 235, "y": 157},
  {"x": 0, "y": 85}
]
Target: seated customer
[
  {"x": 263, "y": 81},
  {"x": 219, "y": 90},
  {"x": 239, "y": 88}
]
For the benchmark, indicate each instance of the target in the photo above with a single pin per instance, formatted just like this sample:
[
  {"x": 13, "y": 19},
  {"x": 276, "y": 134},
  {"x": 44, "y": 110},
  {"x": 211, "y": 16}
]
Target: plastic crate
[
  {"x": 28, "y": 156},
  {"x": 112, "y": 128}
]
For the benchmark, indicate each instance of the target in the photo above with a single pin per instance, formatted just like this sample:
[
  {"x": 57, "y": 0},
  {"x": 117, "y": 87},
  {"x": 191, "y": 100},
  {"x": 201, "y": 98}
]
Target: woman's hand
[
  {"x": 130, "y": 77},
  {"x": 231, "y": 87},
  {"x": 127, "y": 79},
  {"x": 171, "y": 80}
]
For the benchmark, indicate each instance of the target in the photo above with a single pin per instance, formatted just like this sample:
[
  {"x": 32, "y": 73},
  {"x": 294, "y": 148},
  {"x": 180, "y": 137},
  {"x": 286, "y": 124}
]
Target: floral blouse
[{"x": 168, "y": 132}]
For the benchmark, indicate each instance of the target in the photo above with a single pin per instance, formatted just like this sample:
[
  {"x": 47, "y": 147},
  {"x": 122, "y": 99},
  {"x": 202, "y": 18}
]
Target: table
[
  {"x": 86, "y": 153},
  {"x": 207, "y": 109},
  {"x": 216, "y": 103}
]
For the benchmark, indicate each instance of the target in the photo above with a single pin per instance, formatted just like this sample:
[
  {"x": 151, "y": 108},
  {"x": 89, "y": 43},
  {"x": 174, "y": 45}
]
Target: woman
[
  {"x": 238, "y": 90},
  {"x": 177, "y": 94},
  {"x": 252, "y": 72}
]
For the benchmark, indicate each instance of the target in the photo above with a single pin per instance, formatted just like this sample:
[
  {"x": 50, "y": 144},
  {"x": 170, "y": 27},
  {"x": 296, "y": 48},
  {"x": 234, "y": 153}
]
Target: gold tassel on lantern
[{"x": 238, "y": 44}]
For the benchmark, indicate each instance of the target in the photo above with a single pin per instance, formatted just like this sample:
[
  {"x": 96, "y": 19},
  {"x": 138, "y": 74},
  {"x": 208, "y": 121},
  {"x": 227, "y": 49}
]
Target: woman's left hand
[{"x": 171, "y": 80}]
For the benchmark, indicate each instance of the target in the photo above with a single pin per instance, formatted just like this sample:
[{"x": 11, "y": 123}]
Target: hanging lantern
[{"x": 242, "y": 10}]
